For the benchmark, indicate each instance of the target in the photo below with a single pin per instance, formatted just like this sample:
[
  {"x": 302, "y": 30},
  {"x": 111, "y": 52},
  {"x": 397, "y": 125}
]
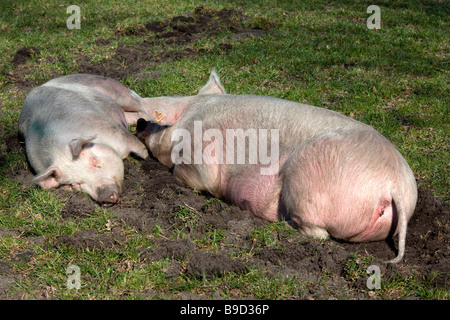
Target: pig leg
[
  {"x": 136, "y": 146},
  {"x": 200, "y": 177}
]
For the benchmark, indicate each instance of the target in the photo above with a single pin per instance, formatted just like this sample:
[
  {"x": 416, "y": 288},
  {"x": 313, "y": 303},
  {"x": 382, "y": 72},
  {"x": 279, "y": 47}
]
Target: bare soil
[{"x": 152, "y": 196}]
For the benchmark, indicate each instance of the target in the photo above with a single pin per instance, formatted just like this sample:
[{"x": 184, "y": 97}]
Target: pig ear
[
  {"x": 145, "y": 128},
  {"x": 213, "y": 86},
  {"x": 76, "y": 145},
  {"x": 144, "y": 125},
  {"x": 49, "y": 178}
]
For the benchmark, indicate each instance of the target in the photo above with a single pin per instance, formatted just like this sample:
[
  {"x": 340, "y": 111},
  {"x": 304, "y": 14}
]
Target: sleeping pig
[
  {"x": 327, "y": 173},
  {"x": 76, "y": 134}
]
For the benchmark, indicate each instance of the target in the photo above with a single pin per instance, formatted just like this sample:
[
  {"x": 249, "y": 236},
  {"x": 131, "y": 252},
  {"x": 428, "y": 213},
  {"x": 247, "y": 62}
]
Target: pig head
[
  {"x": 331, "y": 175},
  {"x": 76, "y": 134}
]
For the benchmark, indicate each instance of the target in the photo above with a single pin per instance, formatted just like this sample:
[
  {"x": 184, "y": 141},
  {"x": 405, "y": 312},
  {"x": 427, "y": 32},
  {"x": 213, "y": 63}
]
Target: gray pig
[
  {"x": 76, "y": 134},
  {"x": 327, "y": 173}
]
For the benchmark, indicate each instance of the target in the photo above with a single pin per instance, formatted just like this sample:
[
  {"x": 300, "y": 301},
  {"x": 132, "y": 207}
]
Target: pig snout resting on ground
[
  {"x": 76, "y": 134},
  {"x": 327, "y": 173}
]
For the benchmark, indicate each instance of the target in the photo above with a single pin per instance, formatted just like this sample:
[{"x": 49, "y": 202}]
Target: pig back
[
  {"x": 68, "y": 110},
  {"x": 110, "y": 88},
  {"x": 296, "y": 122}
]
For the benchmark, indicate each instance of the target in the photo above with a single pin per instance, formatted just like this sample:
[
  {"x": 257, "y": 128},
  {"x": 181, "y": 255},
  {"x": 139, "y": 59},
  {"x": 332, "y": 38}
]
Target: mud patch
[
  {"x": 172, "y": 249},
  {"x": 200, "y": 23},
  {"x": 205, "y": 264},
  {"x": 6, "y": 283},
  {"x": 90, "y": 239},
  {"x": 23, "y": 54},
  {"x": 304, "y": 256},
  {"x": 153, "y": 43},
  {"x": 178, "y": 34}
]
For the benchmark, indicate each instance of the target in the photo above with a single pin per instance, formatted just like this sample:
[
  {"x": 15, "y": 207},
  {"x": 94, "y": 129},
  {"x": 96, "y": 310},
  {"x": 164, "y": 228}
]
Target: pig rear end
[{"x": 353, "y": 186}]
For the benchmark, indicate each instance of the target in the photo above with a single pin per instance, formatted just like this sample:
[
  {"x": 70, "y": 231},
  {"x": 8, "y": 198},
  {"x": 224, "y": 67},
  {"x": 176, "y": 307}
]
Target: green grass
[
  {"x": 320, "y": 53},
  {"x": 270, "y": 235}
]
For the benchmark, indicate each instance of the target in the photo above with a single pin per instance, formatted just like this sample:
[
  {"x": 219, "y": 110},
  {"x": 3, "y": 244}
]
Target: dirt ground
[{"x": 151, "y": 195}]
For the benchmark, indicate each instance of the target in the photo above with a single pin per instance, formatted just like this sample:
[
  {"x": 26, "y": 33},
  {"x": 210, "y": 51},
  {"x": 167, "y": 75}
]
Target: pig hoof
[{"x": 314, "y": 231}]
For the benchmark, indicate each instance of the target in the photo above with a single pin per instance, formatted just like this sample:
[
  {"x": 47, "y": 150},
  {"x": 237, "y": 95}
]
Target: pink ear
[
  {"x": 95, "y": 162},
  {"x": 76, "y": 145},
  {"x": 49, "y": 178},
  {"x": 213, "y": 86}
]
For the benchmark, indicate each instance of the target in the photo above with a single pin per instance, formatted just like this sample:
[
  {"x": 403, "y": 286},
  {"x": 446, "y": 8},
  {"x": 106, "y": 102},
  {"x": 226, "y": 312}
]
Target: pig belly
[{"x": 257, "y": 193}]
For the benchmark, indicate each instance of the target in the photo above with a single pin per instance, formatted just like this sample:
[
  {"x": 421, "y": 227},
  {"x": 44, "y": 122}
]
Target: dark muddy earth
[{"x": 152, "y": 197}]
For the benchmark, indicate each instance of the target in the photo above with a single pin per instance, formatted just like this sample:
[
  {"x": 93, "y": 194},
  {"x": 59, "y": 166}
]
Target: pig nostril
[
  {"x": 110, "y": 200},
  {"x": 113, "y": 198}
]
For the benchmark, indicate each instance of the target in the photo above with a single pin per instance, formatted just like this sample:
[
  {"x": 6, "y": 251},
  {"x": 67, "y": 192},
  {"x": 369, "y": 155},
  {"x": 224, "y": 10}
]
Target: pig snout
[{"x": 108, "y": 195}]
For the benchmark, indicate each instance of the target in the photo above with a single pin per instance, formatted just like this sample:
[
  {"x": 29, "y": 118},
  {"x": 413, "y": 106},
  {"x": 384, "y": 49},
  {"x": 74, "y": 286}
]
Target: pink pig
[
  {"x": 327, "y": 173},
  {"x": 76, "y": 134}
]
